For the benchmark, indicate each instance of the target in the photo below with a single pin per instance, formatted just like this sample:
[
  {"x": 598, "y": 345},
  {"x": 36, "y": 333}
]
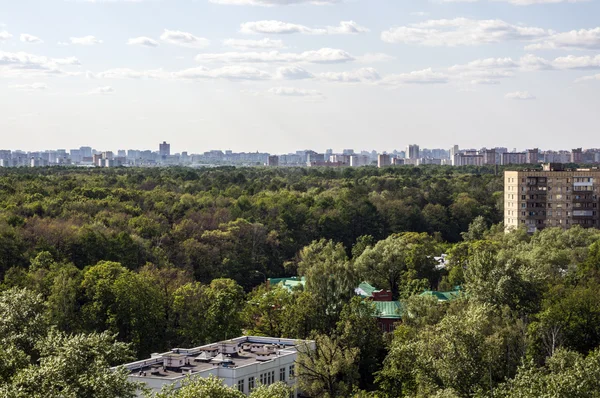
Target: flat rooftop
[{"x": 230, "y": 354}]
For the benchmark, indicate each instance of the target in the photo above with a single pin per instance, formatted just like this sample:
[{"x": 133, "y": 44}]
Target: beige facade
[{"x": 540, "y": 199}]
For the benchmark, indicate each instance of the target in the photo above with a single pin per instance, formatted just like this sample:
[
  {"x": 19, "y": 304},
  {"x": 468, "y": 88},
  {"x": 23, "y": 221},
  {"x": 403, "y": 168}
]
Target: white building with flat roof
[{"x": 243, "y": 363}]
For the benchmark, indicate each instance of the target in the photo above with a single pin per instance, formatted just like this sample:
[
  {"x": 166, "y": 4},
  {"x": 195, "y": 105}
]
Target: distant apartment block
[
  {"x": 412, "y": 152},
  {"x": 383, "y": 160},
  {"x": 164, "y": 150},
  {"x": 553, "y": 197},
  {"x": 243, "y": 363}
]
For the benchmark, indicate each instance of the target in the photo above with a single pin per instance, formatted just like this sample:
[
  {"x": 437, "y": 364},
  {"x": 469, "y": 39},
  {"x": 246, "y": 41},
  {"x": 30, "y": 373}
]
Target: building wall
[{"x": 540, "y": 199}]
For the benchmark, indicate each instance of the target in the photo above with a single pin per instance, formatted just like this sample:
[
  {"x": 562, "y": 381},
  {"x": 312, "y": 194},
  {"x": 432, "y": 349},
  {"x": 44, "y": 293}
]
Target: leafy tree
[
  {"x": 498, "y": 282},
  {"x": 570, "y": 319},
  {"x": 471, "y": 349},
  {"x": 275, "y": 390},
  {"x": 329, "y": 276},
  {"x": 357, "y": 329},
  {"x": 477, "y": 229},
  {"x": 327, "y": 371},
  {"x": 22, "y": 319},
  {"x": 566, "y": 374},
  {"x": 267, "y": 310},
  {"x": 201, "y": 387},
  {"x": 395, "y": 262},
  {"x": 74, "y": 366}
]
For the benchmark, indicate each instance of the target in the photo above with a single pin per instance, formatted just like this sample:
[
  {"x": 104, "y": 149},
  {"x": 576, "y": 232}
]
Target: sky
[{"x": 283, "y": 75}]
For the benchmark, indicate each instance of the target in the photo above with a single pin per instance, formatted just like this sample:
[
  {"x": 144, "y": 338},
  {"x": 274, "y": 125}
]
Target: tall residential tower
[{"x": 552, "y": 197}]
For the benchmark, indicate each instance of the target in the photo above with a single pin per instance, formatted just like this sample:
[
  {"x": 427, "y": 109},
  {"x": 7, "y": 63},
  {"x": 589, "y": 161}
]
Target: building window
[
  {"x": 241, "y": 385},
  {"x": 250, "y": 384},
  {"x": 291, "y": 371},
  {"x": 262, "y": 378},
  {"x": 282, "y": 374}
]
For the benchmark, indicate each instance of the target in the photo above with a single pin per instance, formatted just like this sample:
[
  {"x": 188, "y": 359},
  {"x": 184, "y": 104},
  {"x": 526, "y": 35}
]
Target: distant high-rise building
[
  {"x": 85, "y": 151},
  {"x": 489, "y": 156},
  {"x": 577, "y": 156},
  {"x": 383, "y": 160},
  {"x": 514, "y": 158},
  {"x": 164, "y": 149},
  {"x": 412, "y": 151},
  {"x": 454, "y": 151},
  {"x": 273, "y": 161},
  {"x": 532, "y": 156},
  {"x": 348, "y": 151}
]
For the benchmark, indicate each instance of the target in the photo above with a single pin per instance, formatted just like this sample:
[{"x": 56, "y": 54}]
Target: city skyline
[
  {"x": 413, "y": 155},
  {"x": 271, "y": 75}
]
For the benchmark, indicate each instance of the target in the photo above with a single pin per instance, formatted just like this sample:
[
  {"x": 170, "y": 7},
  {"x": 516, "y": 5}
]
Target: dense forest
[{"x": 102, "y": 266}]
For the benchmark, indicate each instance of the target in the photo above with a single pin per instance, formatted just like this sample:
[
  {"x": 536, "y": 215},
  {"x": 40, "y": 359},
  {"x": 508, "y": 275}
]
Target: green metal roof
[
  {"x": 288, "y": 283},
  {"x": 442, "y": 296},
  {"x": 365, "y": 289},
  {"x": 388, "y": 309}
]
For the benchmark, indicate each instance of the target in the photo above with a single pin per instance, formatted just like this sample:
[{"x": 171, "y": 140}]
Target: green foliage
[
  {"x": 209, "y": 387},
  {"x": 212, "y": 387},
  {"x": 276, "y": 390},
  {"x": 73, "y": 366},
  {"x": 330, "y": 277},
  {"x": 470, "y": 348},
  {"x": 329, "y": 370},
  {"x": 565, "y": 375},
  {"x": 357, "y": 329},
  {"x": 402, "y": 263},
  {"x": 22, "y": 319}
]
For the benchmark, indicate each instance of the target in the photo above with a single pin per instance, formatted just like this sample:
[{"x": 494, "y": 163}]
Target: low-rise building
[{"x": 242, "y": 363}]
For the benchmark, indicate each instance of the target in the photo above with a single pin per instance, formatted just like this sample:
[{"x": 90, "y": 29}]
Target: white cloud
[
  {"x": 23, "y": 64},
  {"x": 588, "y": 78},
  {"x": 573, "y": 62},
  {"x": 460, "y": 32},
  {"x": 126, "y": 73},
  {"x": 370, "y": 58},
  {"x": 279, "y": 27},
  {"x": 531, "y": 62},
  {"x": 234, "y": 72},
  {"x": 532, "y": 2},
  {"x": 485, "y": 81},
  {"x": 295, "y": 92},
  {"x": 518, "y": 2},
  {"x": 106, "y": 90},
  {"x": 269, "y": 3},
  {"x": 26, "y": 38},
  {"x": 356, "y": 76},
  {"x": 583, "y": 39},
  {"x": 4, "y": 36},
  {"x": 30, "y": 87},
  {"x": 419, "y": 13},
  {"x": 293, "y": 73},
  {"x": 183, "y": 39},
  {"x": 425, "y": 76},
  {"x": 142, "y": 41},
  {"x": 486, "y": 64},
  {"x": 85, "y": 41},
  {"x": 265, "y": 43},
  {"x": 322, "y": 56},
  {"x": 520, "y": 95}
]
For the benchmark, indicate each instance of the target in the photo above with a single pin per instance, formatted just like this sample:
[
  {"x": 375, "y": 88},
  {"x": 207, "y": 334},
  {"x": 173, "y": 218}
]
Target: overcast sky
[{"x": 281, "y": 75}]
